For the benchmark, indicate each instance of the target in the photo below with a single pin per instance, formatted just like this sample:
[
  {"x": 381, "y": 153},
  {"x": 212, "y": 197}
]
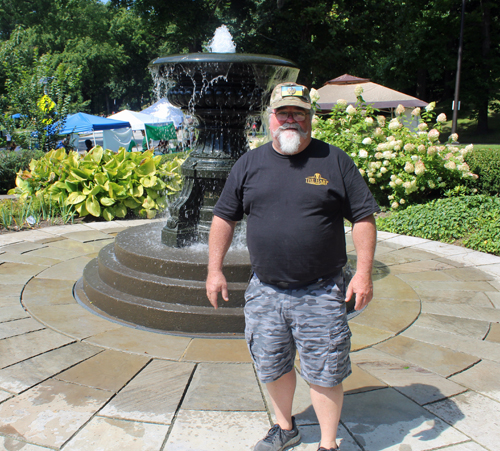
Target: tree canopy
[{"x": 105, "y": 48}]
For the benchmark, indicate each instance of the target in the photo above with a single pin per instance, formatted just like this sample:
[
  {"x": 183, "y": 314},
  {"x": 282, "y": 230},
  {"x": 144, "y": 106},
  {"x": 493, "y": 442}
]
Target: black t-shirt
[{"x": 295, "y": 207}]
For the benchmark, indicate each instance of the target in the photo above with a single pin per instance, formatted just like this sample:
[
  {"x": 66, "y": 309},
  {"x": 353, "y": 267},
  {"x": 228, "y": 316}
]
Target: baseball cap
[{"x": 290, "y": 94}]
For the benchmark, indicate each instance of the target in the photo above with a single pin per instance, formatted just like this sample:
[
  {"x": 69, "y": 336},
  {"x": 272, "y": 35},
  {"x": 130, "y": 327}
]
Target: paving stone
[
  {"x": 56, "y": 253},
  {"x": 137, "y": 222},
  {"x": 398, "y": 257},
  {"x": 18, "y": 327},
  {"x": 13, "y": 312},
  {"x": 452, "y": 324},
  {"x": 482, "y": 378},
  {"x": 88, "y": 235},
  {"x": 467, "y": 446},
  {"x": 126, "y": 339},
  {"x": 391, "y": 287},
  {"x": 419, "y": 266},
  {"x": 68, "y": 270},
  {"x": 494, "y": 270},
  {"x": 62, "y": 229},
  {"x": 217, "y": 350},
  {"x": 466, "y": 345},
  {"x": 462, "y": 311},
  {"x": 153, "y": 395},
  {"x": 418, "y": 384},
  {"x": 406, "y": 240},
  {"x": 107, "y": 434},
  {"x": 8, "y": 289},
  {"x": 9, "y": 238},
  {"x": 217, "y": 431},
  {"x": 23, "y": 375},
  {"x": 364, "y": 336},
  {"x": 10, "y": 444},
  {"x": 434, "y": 358},
  {"x": 223, "y": 386},
  {"x": 27, "y": 259},
  {"x": 32, "y": 235},
  {"x": 22, "y": 347},
  {"x": 108, "y": 370},
  {"x": 386, "y": 420},
  {"x": 472, "y": 298},
  {"x": 381, "y": 249},
  {"x": 18, "y": 273},
  {"x": 9, "y": 301},
  {"x": 104, "y": 225},
  {"x": 381, "y": 235},
  {"x": 494, "y": 298},
  {"x": 98, "y": 245},
  {"x": 476, "y": 258},
  {"x": 311, "y": 435},
  {"x": 74, "y": 246},
  {"x": 41, "y": 291},
  {"x": 468, "y": 274},
  {"x": 5, "y": 395},
  {"x": 442, "y": 248},
  {"x": 455, "y": 286},
  {"x": 494, "y": 333},
  {"x": 425, "y": 276},
  {"x": 50, "y": 413},
  {"x": 360, "y": 381},
  {"x": 20, "y": 248},
  {"x": 389, "y": 315},
  {"x": 473, "y": 414}
]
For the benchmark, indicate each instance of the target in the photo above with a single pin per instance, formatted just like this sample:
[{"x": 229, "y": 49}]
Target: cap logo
[{"x": 288, "y": 91}]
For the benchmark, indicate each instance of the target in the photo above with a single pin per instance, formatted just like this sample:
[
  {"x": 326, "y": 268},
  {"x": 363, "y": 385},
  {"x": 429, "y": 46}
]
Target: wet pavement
[{"x": 426, "y": 360}]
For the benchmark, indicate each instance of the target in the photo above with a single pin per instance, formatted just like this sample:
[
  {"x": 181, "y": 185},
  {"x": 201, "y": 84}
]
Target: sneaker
[
  {"x": 278, "y": 439},
  {"x": 331, "y": 449}
]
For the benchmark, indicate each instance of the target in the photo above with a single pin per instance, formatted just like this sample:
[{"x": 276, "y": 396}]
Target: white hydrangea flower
[
  {"x": 379, "y": 155},
  {"x": 431, "y": 184},
  {"x": 454, "y": 137},
  {"x": 378, "y": 175},
  {"x": 422, "y": 126},
  {"x": 350, "y": 110},
  {"x": 430, "y": 107},
  {"x": 392, "y": 184},
  {"x": 450, "y": 165},
  {"x": 402, "y": 201},
  {"x": 409, "y": 167},
  {"x": 342, "y": 102},
  {"x": 372, "y": 180},
  {"x": 391, "y": 197},
  {"x": 369, "y": 120},
  {"x": 414, "y": 157},
  {"x": 464, "y": 167},
  {"x": 442, "y": 184},
  {"x": 381, "y": 120},
  {"x": 399, "y": 181},
  {"x": 390, "y": 138},
  {"x": 353, "y": 154},
  {"x": 378, "y": 132},
  {"x": 382, "y": 146},
  {"x": 386, "y": 163},
  {"x": 383, "y": 169},
  {"x": 358, "y": 90},
  {"x": 387, "y": 154},
  {"x": 400, "y": 109},
  {"x": 363, "y": 153},
  {"x": 433, "y": 134},
  {"x": 409, "y": 147},
  {"x": 362, "y": 172},
  {"x": 394, "y": 205},
  {"x": 421, "y": 148},
  {"x": 419, "y": 168},
  {"x": 314, "y": 94},
  {"x": 367, "y": 141},
  {"x": 395, "y": 125},
  {"x": 416, "y": 112},
  {"x": 469, "y": 148},
  {"x": 393, "y": 177},
  {"x": 441, "y": 118},
  {"x": 407, "y": 185}
]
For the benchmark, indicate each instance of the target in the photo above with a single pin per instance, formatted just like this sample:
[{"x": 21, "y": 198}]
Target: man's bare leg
[
  {"x": 281, "y": 392},
  {"x": 327, "y": 403}
]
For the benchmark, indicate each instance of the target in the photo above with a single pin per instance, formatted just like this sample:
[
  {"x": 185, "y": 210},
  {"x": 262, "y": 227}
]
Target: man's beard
[{"x": 289, "y": 140}]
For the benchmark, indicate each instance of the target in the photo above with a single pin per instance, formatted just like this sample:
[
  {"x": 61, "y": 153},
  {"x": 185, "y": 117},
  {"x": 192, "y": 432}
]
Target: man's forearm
[
  {"x": 364, "y": 237},
  {"x": 221, "y": 235}
]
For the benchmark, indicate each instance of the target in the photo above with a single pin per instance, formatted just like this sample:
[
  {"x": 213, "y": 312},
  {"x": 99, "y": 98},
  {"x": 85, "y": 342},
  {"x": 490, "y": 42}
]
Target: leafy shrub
[
  {"x": 486, "y": 164},
  {"x": 474, "y": 221},
  {"x": 401, "y": 166},
  {"x": 102, "y": 183},
  {"x": 11, "y": 163}
]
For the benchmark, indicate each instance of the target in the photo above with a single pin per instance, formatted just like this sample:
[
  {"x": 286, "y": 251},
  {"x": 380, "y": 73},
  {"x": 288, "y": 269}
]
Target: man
[{"x": 296, "y": 192}]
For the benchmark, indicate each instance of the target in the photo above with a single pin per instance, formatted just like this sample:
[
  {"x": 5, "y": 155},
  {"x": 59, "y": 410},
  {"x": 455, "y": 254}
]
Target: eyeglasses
[{"x": 298, "y": 116}]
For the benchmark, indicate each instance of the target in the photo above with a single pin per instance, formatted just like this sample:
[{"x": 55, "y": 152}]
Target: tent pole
[
  {"x": 147, "y": 140},
  {"x": 93, "y": 135}
]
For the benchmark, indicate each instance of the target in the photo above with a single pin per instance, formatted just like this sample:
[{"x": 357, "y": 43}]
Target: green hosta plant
[
  {"x": 102, "y": 183},
  {"x": 401, "y": 166}
]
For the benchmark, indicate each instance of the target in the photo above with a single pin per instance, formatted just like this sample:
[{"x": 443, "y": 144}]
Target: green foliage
[
  {"x": 11, "y": 163},
  {"x": 102, "y": 183},
  {"x": 18, "y": 214},
  {"x": 402, "y": 165},
  {"x": 486, "y": 164},
  {"x": 473, "y": 221}
]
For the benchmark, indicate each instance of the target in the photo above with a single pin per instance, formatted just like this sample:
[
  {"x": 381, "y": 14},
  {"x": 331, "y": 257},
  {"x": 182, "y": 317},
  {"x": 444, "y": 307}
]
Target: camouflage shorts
[{"x": 310, "y": 319}]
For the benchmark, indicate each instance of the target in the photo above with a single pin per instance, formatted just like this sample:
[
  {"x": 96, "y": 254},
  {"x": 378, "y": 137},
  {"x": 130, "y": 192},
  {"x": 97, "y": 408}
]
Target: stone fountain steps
[
  {"x": 97, "y": 295},
  {"x": 164, "y": 289}
]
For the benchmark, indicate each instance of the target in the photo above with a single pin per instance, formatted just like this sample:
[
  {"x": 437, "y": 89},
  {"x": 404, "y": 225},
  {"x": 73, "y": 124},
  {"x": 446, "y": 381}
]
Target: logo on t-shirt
[{"x": 316, "y": 179}]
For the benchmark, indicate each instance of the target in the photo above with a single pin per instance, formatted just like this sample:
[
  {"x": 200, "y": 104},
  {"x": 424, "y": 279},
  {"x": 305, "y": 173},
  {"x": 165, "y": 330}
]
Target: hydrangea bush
[{"x": 401, "y": 165}]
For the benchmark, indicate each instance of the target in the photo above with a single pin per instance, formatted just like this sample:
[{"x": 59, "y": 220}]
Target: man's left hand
[{"x": 362, "y": 286}]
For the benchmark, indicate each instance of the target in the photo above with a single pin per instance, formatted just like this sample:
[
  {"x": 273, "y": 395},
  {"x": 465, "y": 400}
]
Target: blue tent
[{"x": 86, "y": 123}]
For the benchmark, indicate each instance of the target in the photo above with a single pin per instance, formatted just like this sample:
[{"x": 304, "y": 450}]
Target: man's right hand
[{"x": 216, "y": 282}]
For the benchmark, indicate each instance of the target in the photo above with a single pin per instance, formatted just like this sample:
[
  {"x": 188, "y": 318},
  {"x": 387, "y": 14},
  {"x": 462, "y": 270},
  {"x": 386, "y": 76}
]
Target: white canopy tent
[
  {"x": 164, "y": 111},
  {"x": 137, "y": 120}
]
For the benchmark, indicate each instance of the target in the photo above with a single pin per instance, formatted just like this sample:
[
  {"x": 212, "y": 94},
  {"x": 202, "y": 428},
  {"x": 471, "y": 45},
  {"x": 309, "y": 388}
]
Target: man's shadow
[{"x": 376, "y": 419}]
